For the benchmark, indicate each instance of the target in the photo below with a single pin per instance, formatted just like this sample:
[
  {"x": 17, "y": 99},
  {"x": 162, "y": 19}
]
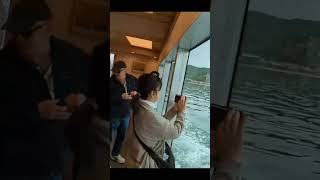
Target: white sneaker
[{"x": 119, "y": 159}]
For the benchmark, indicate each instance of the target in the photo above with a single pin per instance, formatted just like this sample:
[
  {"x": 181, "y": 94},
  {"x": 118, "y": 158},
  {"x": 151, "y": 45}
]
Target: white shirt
[
  {"x": 125, "y": 87},
  {"x": 48, "y": 76}
]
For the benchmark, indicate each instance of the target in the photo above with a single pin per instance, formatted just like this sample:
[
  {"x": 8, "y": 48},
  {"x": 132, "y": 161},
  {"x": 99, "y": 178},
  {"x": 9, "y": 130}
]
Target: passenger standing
[
  {"x": 152, "y": 128},
  {"x": 98, "y": 78},
  {"x": 121, "y": 87},
  {"x": 42, "y": 78}
]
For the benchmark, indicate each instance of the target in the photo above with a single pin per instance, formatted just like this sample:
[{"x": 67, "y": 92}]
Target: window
[
  {"x": 164, "y": 71},
  {"x": 192, "y": 148},
  {"x": 186, "y": 71},
  {"x": 170, "y": 71},
  {"x": 277, "y": 85},
  {"x": 4, "y": 12}
]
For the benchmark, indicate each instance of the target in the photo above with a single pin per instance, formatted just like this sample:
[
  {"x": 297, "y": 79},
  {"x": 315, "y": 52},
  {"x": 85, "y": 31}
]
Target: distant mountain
[
  {"x": 198, "y": 74},
  {"x": 291, "y": 41}
]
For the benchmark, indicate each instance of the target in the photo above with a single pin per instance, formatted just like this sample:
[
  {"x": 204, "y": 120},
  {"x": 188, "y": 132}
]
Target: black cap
[
  {"x": 117, "y": 66},
  {"x": 25, "y": 14}
]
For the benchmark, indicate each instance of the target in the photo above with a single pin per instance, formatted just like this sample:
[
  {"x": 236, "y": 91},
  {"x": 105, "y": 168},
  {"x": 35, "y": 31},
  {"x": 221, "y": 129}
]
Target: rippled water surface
[
  {"x": 282, "y": 137},
  {"x": 192, "y": 148}
]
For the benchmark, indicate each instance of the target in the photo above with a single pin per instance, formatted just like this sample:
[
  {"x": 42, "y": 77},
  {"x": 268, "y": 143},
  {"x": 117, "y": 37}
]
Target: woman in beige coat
[{"x": 152, "y": 128}]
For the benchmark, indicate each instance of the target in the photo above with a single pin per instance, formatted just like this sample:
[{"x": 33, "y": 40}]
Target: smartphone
[
  {"x": 177, "y": 98},
  {"x": 218, "y": 113}
]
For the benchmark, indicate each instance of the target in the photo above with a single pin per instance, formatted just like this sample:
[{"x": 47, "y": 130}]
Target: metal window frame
[
  {"x": 179, "y": 67},
  {"x": 4, "y": 32},
  {"x": 183, "y": 47},
  {"x": 227, "y": 24}
]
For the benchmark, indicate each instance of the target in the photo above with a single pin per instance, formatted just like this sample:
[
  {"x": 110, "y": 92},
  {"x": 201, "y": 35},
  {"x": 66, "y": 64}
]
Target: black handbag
[{"x": 169, "y": 163}]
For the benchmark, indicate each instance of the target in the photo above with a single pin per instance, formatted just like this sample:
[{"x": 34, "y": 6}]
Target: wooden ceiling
[{"x": 151, "y": 26}]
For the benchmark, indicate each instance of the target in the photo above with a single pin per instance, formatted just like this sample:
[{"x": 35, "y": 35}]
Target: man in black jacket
[
  {"x": 122, "y": 85},
  {"x": 42, "y": 79},
  {"x": 98, "y": 78}
]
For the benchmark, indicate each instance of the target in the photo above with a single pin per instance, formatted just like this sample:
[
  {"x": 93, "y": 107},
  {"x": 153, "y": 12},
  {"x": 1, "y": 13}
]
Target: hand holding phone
[
  {"x": 181, "y": 102},
  {"x": 126, "y": 96},
  {"x": 75, "y": 100},
  {"x": 178, "y": 97},
  {"x": 49, "y": 109}
]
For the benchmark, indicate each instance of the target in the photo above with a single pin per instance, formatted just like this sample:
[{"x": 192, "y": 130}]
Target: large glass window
[
  {"x": 192, "y": 148},
  {"x": 167, "y": 89},
  {"x": 4, "y": 12},
  {"x": 164, "y": 71},
  {"x": 278, "y": 85}
]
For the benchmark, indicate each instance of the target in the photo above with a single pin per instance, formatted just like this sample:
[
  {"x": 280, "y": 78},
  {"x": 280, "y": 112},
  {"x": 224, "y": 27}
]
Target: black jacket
[
  {"x": 98, "y": 78},
  {"x": 29, "y": 144},
  {"x": 120, "y": 108}
]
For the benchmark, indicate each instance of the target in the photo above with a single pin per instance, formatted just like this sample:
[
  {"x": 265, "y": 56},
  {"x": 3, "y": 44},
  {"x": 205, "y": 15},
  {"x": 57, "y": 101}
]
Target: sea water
[
  {"x": 282, "y": 134},
  {"x": 192, "y": 148}
]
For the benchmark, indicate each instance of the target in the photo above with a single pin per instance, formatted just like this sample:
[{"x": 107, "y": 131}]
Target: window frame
[
  {"x": 183, "y": 63},
  {"x": 225, "y": 51},
  {"x": 183, "y": 45}
]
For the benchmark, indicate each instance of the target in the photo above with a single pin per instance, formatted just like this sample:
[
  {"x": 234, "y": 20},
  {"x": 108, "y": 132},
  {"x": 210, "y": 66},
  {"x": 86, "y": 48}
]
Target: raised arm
[
  {"x": 169, "y": 130},
  {"x": 171, "y": 113}
]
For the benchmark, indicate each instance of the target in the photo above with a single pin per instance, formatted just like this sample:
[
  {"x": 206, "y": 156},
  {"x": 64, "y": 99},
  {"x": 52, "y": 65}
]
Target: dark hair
[
  {"x": 25, "y": 14},
  {"x": 146, "y": 84},
  {"x": 117, "y": 66}
]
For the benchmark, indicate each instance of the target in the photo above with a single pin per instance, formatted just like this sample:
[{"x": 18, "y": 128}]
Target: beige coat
[{"x": 153, "y": 130}]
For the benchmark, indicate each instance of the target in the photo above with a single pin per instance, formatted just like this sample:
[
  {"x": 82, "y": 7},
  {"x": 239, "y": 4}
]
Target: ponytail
[{"x": 134, "y": 102}]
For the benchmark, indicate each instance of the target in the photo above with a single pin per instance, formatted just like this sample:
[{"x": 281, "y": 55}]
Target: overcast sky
[
  {"x": 288, "y": 9},
  {"x": 200, "y": 57}
]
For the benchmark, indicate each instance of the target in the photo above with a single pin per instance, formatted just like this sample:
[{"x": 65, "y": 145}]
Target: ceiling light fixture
[{"x": 138, "y": 42}]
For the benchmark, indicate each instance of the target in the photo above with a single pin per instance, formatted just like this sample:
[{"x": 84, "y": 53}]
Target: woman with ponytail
[{"x": 148, "y": 130}]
